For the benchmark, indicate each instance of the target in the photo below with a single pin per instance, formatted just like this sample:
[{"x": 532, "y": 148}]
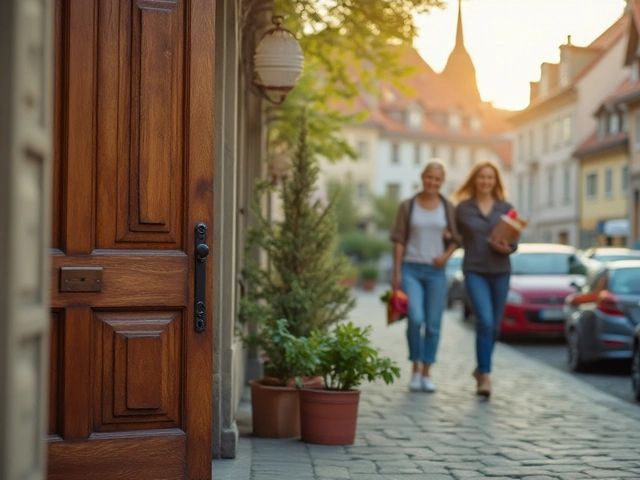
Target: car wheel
[
  {"x": 576, "y": 363},
  {"x": 635, "y": 372}
]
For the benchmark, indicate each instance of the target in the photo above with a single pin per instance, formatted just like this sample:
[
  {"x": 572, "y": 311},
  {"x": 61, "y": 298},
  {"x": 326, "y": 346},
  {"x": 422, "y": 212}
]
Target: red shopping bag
[{"x": 397, "y": 304}]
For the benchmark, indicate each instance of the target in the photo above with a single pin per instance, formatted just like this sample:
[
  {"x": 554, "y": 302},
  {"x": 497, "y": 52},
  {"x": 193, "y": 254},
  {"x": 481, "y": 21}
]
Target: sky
[{"x": 509, "y": 39}]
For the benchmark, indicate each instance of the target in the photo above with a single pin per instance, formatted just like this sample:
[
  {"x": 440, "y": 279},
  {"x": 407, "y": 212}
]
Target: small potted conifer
[{"x": 297, "y": 290}]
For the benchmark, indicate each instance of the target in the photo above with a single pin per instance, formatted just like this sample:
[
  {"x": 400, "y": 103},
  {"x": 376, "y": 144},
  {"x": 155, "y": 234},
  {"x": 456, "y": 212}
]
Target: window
[
  {"x": 592, "y": 186},
  {"x": 520, "y": 193},
  {"x": 475, "y": 124},
  {"x": 551, "y": 187},
  {"x": 566, "y": 130},
  {"x": 602, "y": 125},
  {"x": 531, "y": 144},
  {"x": 566, "y": 187},
  {"x": 417, "y": 158},
  {"x": 395, "y": 153},
  {"x": 363, "y": 149},
  {"x": 545, "y": 137},
  {"x": 636, "y": 131},
  {"x": 635, "y": 72},
  {"x": 614, "y": 123},
  {"x": 608, "y": 182},
  {"x": 531, "y": 194},
  {"x": 415, "y": 119},
  {"x": 625, "y": 179},
  {"x": 393, "y": 191},
  {"x": 521, "y": 146},
  {"x": 454, "y": 121},
  {"x": 556, "y": 134}
]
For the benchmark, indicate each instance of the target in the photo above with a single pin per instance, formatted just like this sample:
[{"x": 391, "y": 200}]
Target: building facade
[
  {"x": 558, "y": 119},
  {"x": 433, "y": 115},
  {"x": 603, "y": 177}
]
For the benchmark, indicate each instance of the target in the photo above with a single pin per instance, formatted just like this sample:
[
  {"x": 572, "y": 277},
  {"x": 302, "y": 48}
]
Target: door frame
[{"x": 26, "y": 150}]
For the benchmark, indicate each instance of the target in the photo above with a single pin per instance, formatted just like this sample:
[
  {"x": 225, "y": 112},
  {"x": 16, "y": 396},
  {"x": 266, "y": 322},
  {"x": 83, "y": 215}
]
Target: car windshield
[
  {"x": 625, "y": 281},
  {"x": 544, "y": 263},
  {"x": 616, "y": 258}
]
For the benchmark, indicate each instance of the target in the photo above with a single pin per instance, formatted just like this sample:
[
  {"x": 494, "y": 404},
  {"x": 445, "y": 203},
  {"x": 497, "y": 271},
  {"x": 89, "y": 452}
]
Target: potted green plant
[
  {"x": 350, "y": 276},
  {"x": 347, "y": 358},
  {"x": 368, "y": 276},
  {"x": 298, "y": 282},
  {"x": 275, "y": 398}
]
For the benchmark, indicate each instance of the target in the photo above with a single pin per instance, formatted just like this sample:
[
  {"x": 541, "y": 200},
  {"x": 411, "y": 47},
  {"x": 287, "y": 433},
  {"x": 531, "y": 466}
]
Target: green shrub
[
  {"x": 368, "y": 272},
  {"x": 363, "y": 247}
]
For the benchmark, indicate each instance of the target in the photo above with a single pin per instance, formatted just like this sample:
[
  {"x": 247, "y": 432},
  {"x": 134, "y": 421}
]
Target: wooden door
[
  {"x": 26, "y": 29},
  {"x": 131, "y": 377}
]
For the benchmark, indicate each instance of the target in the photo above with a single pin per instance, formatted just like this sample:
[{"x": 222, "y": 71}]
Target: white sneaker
[
  {"x": 415, "y": 385},
  {"x": 428, "y": 385}
]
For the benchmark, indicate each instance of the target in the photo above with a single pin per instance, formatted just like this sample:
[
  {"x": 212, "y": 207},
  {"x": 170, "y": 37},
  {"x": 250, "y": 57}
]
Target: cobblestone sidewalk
[{"x": 540, "y": 423}]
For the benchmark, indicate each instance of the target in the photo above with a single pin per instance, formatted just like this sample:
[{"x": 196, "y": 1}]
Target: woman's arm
[{"x": 398, "y": 253}]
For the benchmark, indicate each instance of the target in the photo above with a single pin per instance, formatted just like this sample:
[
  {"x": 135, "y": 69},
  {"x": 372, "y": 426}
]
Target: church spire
[
  {"x": 459, "y": 70},
  {"x": 459, "y": 31}
]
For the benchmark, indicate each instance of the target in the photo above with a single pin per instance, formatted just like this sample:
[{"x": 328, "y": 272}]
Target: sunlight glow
[{"x": 509, "y": 39}]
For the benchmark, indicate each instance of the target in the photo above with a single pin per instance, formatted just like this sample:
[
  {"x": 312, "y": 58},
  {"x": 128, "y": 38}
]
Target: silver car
[{"x": 601, "y": 317}]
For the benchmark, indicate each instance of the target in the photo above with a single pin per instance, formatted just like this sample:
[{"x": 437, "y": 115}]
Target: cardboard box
[{"x": 509, "y": 229}]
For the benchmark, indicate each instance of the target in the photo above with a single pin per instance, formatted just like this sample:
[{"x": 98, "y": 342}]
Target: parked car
[
  {"x": 600, "y": 318},
  {"x": 542, "y": 276},
  {"x": 454, "y": 264},
  {"x": 610, "y": 254},
  {"x": 456, "y": 294},
  {"x": 635, "y": 363}
]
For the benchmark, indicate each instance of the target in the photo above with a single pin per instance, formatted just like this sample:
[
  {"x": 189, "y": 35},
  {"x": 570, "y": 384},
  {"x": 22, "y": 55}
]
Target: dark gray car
[
  {"x": 635, "y": 363},
  {"x": 601, "y": 317}
]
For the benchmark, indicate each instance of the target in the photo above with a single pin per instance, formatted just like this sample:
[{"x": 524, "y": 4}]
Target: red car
[{"x": 542, "y": 276}]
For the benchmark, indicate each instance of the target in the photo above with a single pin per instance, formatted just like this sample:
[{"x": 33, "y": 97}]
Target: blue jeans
[
  {"x": 426, "y": 287},
  {"x": 488, "y": 295}
]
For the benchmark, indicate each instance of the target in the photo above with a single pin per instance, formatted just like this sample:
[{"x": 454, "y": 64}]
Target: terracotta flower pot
[
  {"x": 328, "y": 417},
  {"x": 368, "y": 285},
  {"x": 275, "y": 411}
]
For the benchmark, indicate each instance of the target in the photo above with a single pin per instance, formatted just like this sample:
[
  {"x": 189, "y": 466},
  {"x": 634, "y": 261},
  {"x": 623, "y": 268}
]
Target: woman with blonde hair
[
  {"x": 486, "y": 265},
  {"x": 424, "y": 237}
]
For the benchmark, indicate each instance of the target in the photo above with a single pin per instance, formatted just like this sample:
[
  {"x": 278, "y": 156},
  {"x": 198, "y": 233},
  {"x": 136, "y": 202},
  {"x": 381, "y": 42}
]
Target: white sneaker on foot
[
  {"x": 428, "y": 385},
  {"x": 415, "y": 385}
]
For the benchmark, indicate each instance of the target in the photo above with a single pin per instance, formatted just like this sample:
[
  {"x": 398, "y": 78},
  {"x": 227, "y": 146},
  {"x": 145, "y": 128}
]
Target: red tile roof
[{"x": 595, "y": 144}]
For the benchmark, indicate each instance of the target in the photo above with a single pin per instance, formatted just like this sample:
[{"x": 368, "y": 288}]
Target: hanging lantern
[{"x": 278, "y": 62}]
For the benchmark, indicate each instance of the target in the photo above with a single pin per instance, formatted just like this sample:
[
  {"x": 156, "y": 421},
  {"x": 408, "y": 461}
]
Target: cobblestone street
[{"x": 540, "y": 423}]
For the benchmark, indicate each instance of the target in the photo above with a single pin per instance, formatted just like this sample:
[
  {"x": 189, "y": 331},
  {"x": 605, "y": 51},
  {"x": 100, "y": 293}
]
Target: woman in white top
[{"x": 424, "y": 238}]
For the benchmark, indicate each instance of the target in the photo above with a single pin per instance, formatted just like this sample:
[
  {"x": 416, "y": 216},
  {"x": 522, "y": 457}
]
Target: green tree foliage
[
  {"x": 385, "y": 209},
  {"x": 302, "y": 280},
  {"x": 343, "y": 196},
  {"x": 348, "y": 45}
]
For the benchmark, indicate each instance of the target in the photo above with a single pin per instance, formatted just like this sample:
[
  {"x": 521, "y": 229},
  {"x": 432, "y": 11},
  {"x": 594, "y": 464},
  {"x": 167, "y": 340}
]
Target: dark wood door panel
[
  {"x": 137, "y": 370},
  {"x": 141, "y": 123},
  {"x": 160, "y": 455},
  {"x": 137, "y": 279}
]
